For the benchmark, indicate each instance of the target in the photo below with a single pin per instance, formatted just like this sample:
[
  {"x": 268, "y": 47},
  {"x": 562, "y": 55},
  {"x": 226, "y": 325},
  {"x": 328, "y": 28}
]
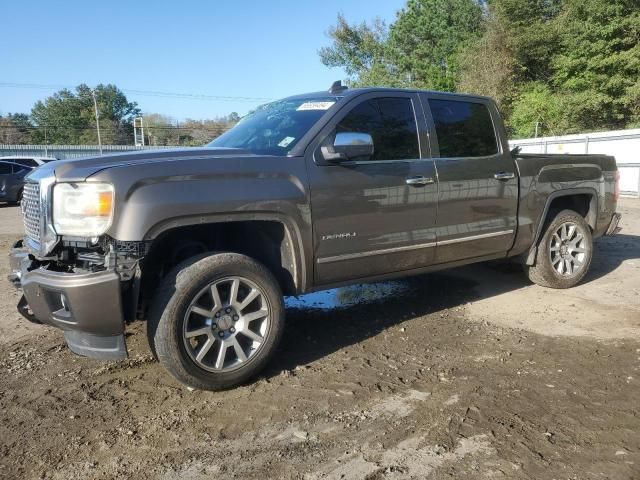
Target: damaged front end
[
  {"x": 86, "y": 286},
  {"x": 87, "y": 291}
]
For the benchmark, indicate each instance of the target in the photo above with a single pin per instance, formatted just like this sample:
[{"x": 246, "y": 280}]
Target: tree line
[
  {"x": 553, "y": 66},
  {"x": 68, "y": 118}
]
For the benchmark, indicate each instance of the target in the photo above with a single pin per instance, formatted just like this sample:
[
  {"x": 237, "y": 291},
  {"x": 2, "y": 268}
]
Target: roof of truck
[{"x": 345, "y": 92}]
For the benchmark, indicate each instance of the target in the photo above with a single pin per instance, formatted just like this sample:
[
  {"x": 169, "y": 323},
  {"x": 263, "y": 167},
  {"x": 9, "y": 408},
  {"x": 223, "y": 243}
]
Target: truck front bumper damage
[{"x": 87, "y": 306}]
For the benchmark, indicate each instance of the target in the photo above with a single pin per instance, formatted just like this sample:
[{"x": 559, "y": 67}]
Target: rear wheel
[
  {"x": 217, "y": 320},
  {"x": 564, "y": 252}
]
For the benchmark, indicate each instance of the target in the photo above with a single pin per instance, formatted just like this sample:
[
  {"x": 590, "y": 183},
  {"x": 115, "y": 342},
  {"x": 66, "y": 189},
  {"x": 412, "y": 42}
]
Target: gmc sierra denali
[{"x": 305, "y": 193}]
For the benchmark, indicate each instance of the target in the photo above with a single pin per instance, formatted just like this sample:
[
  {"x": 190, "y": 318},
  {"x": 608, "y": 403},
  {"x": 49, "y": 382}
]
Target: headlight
[{"x": 82, "y": 209}]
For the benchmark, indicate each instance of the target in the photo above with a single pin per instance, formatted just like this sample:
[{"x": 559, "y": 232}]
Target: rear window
[{"x": 464, "y": 129}]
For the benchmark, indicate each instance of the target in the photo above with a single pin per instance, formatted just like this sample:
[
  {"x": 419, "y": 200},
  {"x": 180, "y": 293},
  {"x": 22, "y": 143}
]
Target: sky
[{"x": 240, "y": 48}]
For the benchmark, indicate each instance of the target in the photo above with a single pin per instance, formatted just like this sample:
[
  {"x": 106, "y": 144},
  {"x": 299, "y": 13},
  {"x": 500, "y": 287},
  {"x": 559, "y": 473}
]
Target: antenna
[{"x": 337, "y": 87}]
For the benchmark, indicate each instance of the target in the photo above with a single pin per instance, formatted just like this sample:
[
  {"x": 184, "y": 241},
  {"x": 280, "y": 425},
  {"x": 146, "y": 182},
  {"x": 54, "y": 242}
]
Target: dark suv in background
[{"x": 12, "y": 181}]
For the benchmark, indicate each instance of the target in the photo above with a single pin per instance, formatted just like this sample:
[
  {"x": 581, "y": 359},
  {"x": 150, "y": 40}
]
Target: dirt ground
[{"x": 470, "y": 373}]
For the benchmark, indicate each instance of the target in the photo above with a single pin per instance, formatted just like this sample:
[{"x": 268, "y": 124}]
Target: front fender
[{"x": 154, "y": 198}]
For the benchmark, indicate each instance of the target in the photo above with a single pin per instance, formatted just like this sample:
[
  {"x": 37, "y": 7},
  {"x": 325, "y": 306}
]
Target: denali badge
[{"x": 338, "y": 236}]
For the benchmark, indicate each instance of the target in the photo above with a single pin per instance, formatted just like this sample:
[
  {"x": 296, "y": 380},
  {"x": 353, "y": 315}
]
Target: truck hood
[{"x": 80, "y": 169}]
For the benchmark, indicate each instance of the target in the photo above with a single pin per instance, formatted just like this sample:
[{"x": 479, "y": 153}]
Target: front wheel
[
  {"x": 217, "y": 320},
  {"x": 564, "y": 252}
]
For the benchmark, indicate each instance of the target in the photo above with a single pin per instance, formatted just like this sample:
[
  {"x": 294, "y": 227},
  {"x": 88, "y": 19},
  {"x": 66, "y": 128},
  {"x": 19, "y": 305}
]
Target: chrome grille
[{"x": 31, "y": 210}]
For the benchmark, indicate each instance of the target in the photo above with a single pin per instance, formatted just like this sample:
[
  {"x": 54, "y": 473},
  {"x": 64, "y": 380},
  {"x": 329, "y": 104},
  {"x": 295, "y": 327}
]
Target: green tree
[
  {"x": 201, "y": 132},
  {"x": 582, "y": 57},
  {"x": 537, "y": 108},
  {"x": 69, "y": 117},
  {"x": 598, "y": 66},
  {"x": 533, "y": 34},
  {"x": 160, "y": 130},
  {"x": 427, "y": 38},
  {"x": 361, "y": 51},
  {"x": 163, "y": 130},
  {"x": 420, "y": 49},
  {"x": 15, "y": 129},
  {"x": 488, "y": 65}
]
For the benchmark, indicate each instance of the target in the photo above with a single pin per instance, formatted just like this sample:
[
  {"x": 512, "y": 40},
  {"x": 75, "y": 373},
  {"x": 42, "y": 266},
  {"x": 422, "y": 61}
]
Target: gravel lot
[{"x": 470, "y": 373}]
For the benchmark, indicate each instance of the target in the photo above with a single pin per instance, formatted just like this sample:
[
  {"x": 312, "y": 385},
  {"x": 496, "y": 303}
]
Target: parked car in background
[
  {"x": 12, "y": 180},
  {"x": 28, "y": 161}
]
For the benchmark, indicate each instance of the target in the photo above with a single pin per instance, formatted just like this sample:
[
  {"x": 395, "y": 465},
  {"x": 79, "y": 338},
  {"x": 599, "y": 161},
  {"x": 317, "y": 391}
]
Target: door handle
[
  {"x": 504, "y": 175},
  {"x": 419, "y": 181}
]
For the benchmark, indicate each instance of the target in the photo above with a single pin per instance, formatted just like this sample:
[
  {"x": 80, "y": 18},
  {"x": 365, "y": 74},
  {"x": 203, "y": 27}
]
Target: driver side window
[{"x": 390, "y": 122}]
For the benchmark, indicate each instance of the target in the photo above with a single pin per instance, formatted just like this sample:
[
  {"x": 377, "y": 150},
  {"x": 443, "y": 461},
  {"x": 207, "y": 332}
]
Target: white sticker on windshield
[
  {"x": 286, "y": 141},
  {"x": 315, "y": 106}
]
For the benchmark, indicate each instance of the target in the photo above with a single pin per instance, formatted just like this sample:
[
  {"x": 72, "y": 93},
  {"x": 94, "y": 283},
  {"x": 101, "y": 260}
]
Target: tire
[
  {"x": 186, "y": 317},
  {"x": 564, "y": 252}
]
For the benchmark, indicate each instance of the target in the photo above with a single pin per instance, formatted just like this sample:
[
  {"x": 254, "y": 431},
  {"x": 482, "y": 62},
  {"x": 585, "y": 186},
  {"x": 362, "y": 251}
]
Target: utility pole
[
  {"x": 537, "y": 125},
  {"x": 95, "y": 106},
  {"x": 138, "y": 131}
]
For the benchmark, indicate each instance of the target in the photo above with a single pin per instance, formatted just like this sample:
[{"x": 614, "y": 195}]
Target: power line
[
  {"x": 150, "y": 127},
  {"x": 148, "y": 93}
]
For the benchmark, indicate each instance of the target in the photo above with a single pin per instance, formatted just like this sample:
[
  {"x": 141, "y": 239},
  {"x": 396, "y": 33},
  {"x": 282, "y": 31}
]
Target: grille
[{"x": 31, "y": 210}]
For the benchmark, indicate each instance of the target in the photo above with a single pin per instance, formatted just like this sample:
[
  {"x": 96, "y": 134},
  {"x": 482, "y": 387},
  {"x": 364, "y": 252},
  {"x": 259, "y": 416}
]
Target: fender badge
[{"x": 339, "y": 236}]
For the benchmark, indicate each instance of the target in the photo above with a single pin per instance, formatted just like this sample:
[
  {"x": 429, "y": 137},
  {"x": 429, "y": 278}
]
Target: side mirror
[{"x": 348, "y": 145}]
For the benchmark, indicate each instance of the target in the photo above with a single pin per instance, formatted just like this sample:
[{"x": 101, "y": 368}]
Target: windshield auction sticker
[
  {"x": 286, "y": 141},
  {"x": 315, "y": 106}
]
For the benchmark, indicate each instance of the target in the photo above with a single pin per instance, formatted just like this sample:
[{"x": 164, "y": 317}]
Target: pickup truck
[{"x": 306, "y": 193}]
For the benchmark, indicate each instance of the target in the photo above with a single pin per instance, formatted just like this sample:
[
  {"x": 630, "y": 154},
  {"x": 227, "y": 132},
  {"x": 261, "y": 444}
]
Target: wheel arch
[
  {"x": 583, "y": 201},
  {"x": 268, "y": 238}
]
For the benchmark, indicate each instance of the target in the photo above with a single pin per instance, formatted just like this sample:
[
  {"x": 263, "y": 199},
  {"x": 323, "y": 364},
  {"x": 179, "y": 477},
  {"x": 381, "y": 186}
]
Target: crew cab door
[
  {"x": 478, "y": 182},
  {"x": 373, "y": 214}
]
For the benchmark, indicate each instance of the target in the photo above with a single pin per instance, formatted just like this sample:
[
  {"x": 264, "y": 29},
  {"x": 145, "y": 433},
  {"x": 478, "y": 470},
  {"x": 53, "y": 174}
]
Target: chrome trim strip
[
  {"x": 374, "y": 162},
  {"x": 351, "y": 256},
  {"x": 476, "y": 237}
]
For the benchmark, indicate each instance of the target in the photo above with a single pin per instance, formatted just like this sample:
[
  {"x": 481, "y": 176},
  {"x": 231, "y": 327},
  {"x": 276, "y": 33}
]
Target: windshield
[{"x": 275, "y": 128}]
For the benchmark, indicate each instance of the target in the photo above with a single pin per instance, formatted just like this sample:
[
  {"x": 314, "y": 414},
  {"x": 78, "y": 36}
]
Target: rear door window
[
  {"x": 464, "y": 129},
  {"x": 5, "y": 168}
]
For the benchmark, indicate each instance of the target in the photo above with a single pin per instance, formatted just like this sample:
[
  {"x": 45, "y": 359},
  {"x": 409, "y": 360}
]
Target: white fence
[
  {"x": 63, "y": 152},
  {"x": 622, "y": 144}
]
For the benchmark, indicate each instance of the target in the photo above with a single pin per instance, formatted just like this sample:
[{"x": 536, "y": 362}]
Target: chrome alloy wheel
[
  {"x": 226, "y": 324},
  {"x": 568, "y": 249}
]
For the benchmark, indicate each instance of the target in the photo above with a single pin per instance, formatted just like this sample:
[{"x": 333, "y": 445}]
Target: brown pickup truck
[{"x": 305, "y": 193}]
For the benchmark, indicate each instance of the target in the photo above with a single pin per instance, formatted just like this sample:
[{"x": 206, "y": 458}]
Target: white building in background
[{"x": 622, "y": 144}]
